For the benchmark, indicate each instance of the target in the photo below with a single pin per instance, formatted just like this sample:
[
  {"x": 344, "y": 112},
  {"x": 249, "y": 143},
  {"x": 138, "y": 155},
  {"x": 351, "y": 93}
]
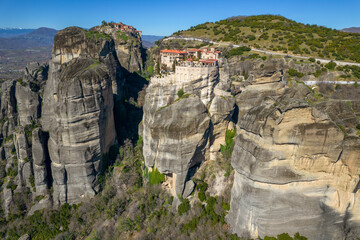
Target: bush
[
  {"x": 180, "y": 93},
  {"x": 317, "y": 73},
  {"x": 154, "y": 177},
  {"x": 184, "y": 207},
  {"x": 8, "y": 138},
  {"x": 227, "y": 149},
  {"x": 238, "y": 51},
  {"x": 312, "y": 60},
  {"x": 286, "y": 236},
  {"x": 32, "y": 180},
  {"x": 202, "y": 196},
  {"x": 201, "y": 187},
  {"x": 331, "y": 65},
  {"x": 294, "y": 73},
  {"x": 11, "y": 185}
]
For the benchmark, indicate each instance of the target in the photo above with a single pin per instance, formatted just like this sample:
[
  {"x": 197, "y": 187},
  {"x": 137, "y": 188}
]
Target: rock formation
[
  {"x": 81, "y": 126},
  {"x": 296, "y": 169},
  {"x": 128, "y": 47},
  {"x": 296, "y": 152},
  {"x": 57, "y": 122},
  {"x": 179, "y": 130}
]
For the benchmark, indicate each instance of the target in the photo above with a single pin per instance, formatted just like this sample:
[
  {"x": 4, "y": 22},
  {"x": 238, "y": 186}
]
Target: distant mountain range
[
  {"x": 149, "y": 40},
  {"x": 20, "y": 38},
  {"x": 28, "y": 38},
  {"x": 352, "y": 30},
  {"x": 13, "y": 32}
]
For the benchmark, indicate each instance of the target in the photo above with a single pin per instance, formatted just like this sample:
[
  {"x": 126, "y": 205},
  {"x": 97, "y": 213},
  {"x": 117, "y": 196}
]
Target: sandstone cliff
[
  {"x": 128, "y": 47},
  {"x": 78, "y": 112},
  {"x": 296, "y": 151},
  {"x": 57, "y": 122},
  {"x": 296, "y": 162},
  {"x": 179, "y": 132}
]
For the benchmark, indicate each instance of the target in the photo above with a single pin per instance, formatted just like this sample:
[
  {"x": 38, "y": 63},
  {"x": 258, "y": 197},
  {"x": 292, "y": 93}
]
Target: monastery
[
  {"x": 190, "y": 64},
  {"x": 127, "y": 28},
  {"x": 168, "y": 56}
]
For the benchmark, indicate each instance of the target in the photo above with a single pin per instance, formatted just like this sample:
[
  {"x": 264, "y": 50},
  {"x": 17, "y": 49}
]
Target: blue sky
[{"x": 166, "y": 17}]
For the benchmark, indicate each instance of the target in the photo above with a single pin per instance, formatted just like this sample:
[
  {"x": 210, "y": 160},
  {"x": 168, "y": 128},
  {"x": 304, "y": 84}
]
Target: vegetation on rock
[{"x": 278, "y": 33}]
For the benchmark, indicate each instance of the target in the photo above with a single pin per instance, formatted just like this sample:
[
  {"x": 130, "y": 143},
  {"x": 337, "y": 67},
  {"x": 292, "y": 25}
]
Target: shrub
[
  {"x": 201, "y": 186},
  {"x": 180, "y": 93},
  {"x": 32, "y": 181},
  {"x": 39, "y": 198},
  {"x": 293, "y": 72},
  {"x": 226, "y": 149},
  {"x": 331, "y": 65},
  {"x": 184, "y": 207},
  {"x": 234, "y": 237},
  {"x": 254, "y": 56},
  {"x": 202, "y": 196},
  {"x": 154, "y": 177},
  {"x": 286, "y": 236},
  {"x": 8, "y": 138},
  {"x": 238, "y": 51},
  {"x": 11, "y": 185},
  {"x": 21, "y": 81},
  {"x": 251, "y": 37},
  {"x": 317, "y": 73}
]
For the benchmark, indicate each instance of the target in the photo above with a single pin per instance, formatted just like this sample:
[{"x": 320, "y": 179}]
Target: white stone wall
[{"x": 183, "y": 74}]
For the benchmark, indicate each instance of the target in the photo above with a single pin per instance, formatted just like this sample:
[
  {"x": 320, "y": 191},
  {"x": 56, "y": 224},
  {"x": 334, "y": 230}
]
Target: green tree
[{"x": 331, "y": 65}]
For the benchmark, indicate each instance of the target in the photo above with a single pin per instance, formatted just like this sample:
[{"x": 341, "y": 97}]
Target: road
[
  {"x": 309, "y": 83},
  {"x": 322, "y": 60}
]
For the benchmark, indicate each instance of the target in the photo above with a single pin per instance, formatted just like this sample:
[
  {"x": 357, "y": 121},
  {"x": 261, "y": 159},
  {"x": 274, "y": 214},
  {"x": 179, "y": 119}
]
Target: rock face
[
  {"x": 57, "y": 122},
  {"x": 178, "y": 131},
  {"x": 28, "y": 105},
  {"x": 84, "y": 131},
  {"x": 129, "y": 50},
  {"x": 41, "y": 163},
  {"x": 78, "y": 113},
  {"x": 296, "y": 170}
]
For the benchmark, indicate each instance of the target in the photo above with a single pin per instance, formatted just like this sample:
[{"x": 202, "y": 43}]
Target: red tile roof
[
  {"x": 193, "y": 50},
  {"x": 189, "y": 59},
  {"x": 173, "y": 51},
  {"x": 208, "y": 60}
]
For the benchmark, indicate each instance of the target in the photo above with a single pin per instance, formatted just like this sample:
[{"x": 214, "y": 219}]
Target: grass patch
[
  {"x": 123, "y": 36},
  {"x": 94, "y": 65},
  {"x": 96, "y": 35}
]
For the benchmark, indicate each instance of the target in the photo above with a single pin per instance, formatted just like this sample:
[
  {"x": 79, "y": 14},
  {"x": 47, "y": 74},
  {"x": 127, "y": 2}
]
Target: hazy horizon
[{"x": 163, "y": 18}]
